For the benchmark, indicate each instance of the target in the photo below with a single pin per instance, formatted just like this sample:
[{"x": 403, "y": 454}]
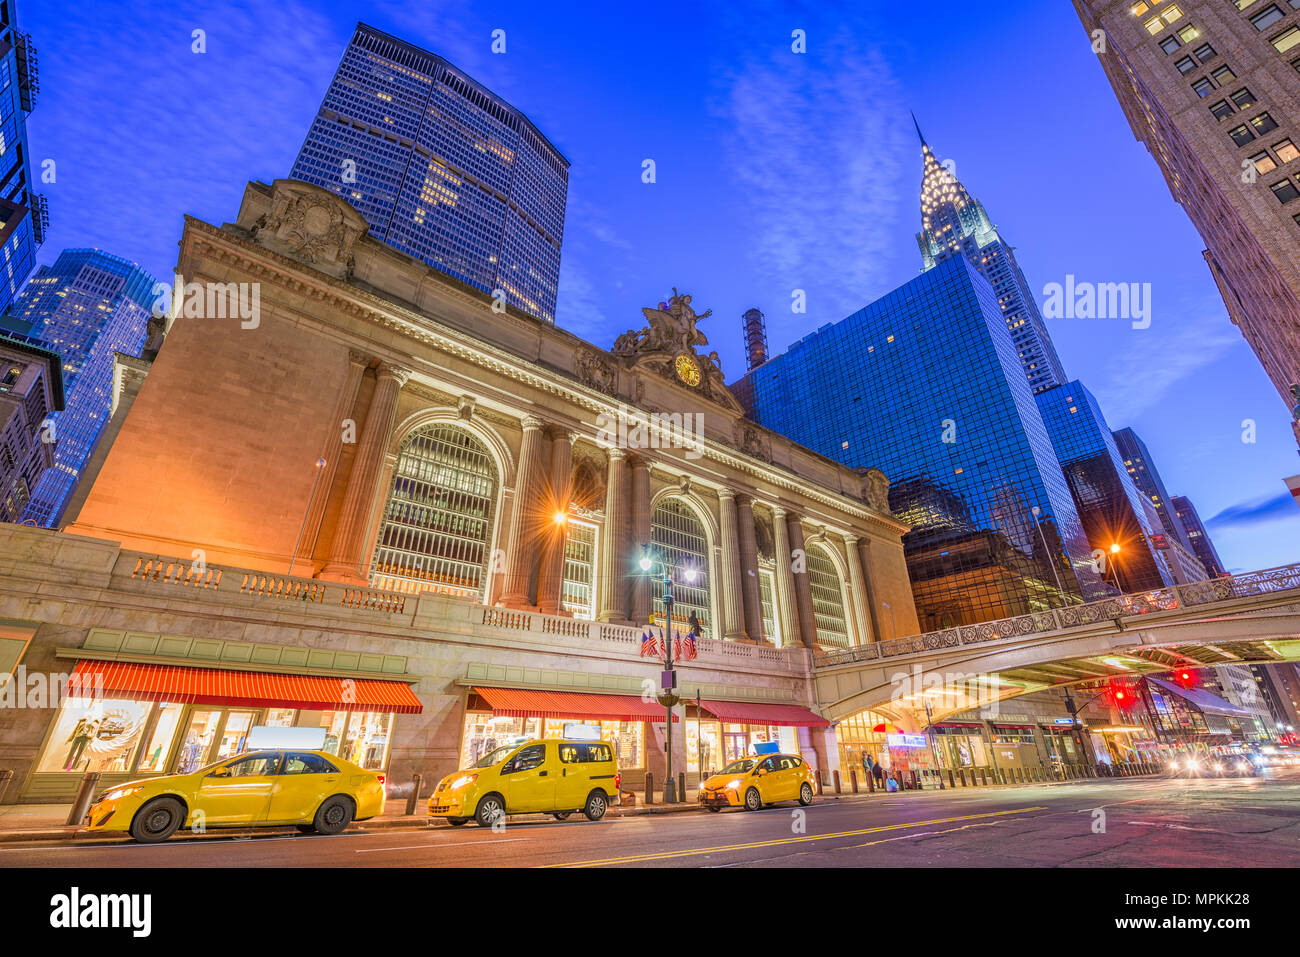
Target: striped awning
[
  {"x": 528, "y": 703},
  {"x": 253, "y": 689},
  {"x": 750, "y": 712}
]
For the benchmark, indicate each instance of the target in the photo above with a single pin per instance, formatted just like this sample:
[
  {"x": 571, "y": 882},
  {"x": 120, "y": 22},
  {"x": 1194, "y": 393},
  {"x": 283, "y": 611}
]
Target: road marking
[
  {"x": 912, "y": 837},
  {"x": 692, "y": 852},
  {"x": 412, "y": 847}
]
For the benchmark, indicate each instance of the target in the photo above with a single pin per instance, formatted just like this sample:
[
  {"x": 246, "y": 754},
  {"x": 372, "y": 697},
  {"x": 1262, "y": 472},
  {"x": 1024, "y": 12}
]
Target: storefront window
[
  {"x": 483, "y": 732},
  {"x": 164, "y": 733},
  {"x": 198, "y": 740},
  {"x": 234, "y": 734},
  {"x": 95, "y": 735},
  {"x": 278, "y": 718},
  {"x": 366, "y": 743}
]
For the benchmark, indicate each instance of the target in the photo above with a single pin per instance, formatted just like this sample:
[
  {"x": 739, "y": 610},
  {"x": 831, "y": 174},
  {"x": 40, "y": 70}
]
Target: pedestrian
[
  {"x": 867, "y": 762},
  {"x": 878, "y": 773}
]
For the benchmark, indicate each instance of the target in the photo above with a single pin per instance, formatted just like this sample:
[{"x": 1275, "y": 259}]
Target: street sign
[{"x": 669, "y": 679}]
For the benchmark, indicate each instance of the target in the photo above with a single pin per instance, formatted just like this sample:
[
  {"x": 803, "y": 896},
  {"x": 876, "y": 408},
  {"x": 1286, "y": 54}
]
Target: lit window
[
  {"x": 1241, "y": 135},
  {"x": 1264, "y": 123},
  {"x": 1154, "y": 26},
  {"x": 1139, "y": 9},
  {"x": 1263, "y": 163},
  {"x": 1243, "y": 98},
  {"x": 1223, "y": 75},
  {"x": 1286, "y": 151},
  {"x": 1188, "y": 33},
  {"x": 1286, "y": 40},
  {"x": 1172, "y": 14},
  {"x": 1221, "y": 110}
]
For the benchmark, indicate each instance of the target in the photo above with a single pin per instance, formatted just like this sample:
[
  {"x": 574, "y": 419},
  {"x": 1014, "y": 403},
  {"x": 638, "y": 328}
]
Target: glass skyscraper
[
  {"x": 442, "y": 169},
  {"x": 955, "y": 223},
  {"x": 1199, "y": 537},
  {"x": 926, "y": 385},
  {"x": 23, "y": 216},
  {"x": 1109, "y": 503},
  {"x": 85, "y": 307}
]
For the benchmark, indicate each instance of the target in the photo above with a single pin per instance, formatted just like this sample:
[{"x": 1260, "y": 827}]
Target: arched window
[
  {"x": 827, "y": 599},
  {"x": 437, "y": 523},
  {"x": 679, "y": 537}
]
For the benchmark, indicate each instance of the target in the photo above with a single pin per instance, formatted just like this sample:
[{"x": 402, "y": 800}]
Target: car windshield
[
  {"x": 741, "y": 766},
  {"x": 494, "y": 756}
]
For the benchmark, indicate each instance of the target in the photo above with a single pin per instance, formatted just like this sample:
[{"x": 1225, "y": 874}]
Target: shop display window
[
  {"x": 484, "y": 732},
  {"x": 159, "y": 747},
  {"x": 95, "y": 735}
]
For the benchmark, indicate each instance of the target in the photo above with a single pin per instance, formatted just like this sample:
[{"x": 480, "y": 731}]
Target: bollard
[
  {"x": 871, "y": 784},
  {"x": 984, "y": 776},
  {"x": 82, "y": 802},
  {"x": 916, "y": 780},
  {"x": 649, "y": 788},
  {"x": 5, "y": 777},
  {"x": 414, "y": 798},
  {"x": 951, "y": 782},
  {"x": 853, "y": 779},
  {"x": 681, "y": 787},
  {"x": 836, "y": 775},
  {"x": 821, "y": 788}
]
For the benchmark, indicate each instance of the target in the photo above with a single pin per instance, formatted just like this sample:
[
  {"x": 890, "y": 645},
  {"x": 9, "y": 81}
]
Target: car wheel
[
  {"x": 561, "y": 815},
  {"x": 457, "y": 821},
  {"x": 715, "y": 810},
  {"x": 753, "y": 801},
  {"x": 306, "y": 828},
  {"x": 333, "y": 816},
  {"x": 157, "y": 820},
  {"x": 490, "y": 810},
  {"x": 805, "y": 794},
  {"x": 597, "y": 805}
]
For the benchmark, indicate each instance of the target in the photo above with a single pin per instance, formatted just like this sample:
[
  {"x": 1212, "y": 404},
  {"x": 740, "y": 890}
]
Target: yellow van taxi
[
  {"x": 312, "y": 790},
  {"x": 555, "y": 777},
  {"x": 752, "y": 782}
]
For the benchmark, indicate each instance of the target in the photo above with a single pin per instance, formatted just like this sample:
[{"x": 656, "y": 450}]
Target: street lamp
[
  {"x": 668, "y": 696},
  {"x": 1114, "y": 566}
]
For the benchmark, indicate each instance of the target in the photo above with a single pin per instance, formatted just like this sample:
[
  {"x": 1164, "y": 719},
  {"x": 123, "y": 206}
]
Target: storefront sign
[
  {"x": 1062, "y": 721},
  {"x": 581, "y": 732},
  {"x": 905, "y": 740}
]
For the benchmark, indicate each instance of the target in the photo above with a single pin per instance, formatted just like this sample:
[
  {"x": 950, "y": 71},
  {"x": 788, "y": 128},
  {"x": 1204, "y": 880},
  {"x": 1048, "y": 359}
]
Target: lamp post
[
  {"x": 1114, "y": 566},
  {"x": 1048, "y": 552},
  {"x": 668, "y": 695}
]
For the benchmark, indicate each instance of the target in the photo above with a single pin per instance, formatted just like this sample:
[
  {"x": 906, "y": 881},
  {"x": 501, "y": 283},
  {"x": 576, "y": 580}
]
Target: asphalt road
[{"x": 1144, "y": 822}]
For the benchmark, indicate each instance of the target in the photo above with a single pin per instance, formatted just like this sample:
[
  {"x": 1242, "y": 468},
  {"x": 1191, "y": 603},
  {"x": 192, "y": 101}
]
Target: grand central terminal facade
[{"x": 392, "y": 507}]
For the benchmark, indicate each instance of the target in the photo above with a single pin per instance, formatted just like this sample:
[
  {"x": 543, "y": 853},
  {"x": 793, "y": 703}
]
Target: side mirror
[{"x": 219, "y": 773}]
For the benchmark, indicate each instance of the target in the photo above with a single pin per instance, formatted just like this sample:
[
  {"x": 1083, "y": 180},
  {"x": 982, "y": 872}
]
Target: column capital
[
  {"x": 358, "y": 358},
  {"x": 850, "y": 539},
  {"x": 726, "y": 494},
  {"x": 532, "y": 423},
  {"x": 388, "y": 370},
  {"x": 744, "y": 500},
  {"x": 616, "y": 454}
]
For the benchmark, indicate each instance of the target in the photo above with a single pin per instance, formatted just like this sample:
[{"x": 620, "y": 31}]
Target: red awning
[
  {"x": 527, "y": 703},
  {"x": 958, "y": 724},
  {"x": 256, "y": 689},
  {"x": 1014, "y": 727},
  {"x": 749, "y": 712}
]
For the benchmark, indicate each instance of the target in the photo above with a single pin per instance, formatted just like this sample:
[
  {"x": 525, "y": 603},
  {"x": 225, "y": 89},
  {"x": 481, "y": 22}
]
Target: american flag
[
  {"x": 649, "y": 646},
  {"x": 689, "y": 651},
  {"x": 677, "y": 646}
]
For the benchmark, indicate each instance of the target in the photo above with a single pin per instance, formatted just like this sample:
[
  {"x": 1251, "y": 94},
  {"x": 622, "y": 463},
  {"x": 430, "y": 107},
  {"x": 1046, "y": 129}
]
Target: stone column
[
  {"x": 521, "y": 546},
  {"x": 346, "y": 560},
  {"x": 751, "y": 596},
  {"x": 612, "y": 559},
  {"x": 785, "y": 600},
  {"x": 732, "y": 588},
  {"x": 802, "y": 590},
  {"x": 863, "y": 551},
  {"x": 639, "y": 611},
  {"x": 551, "y": 579},
  {"x": 347, "y": 398},
  {"x": 858, "y": 587}
]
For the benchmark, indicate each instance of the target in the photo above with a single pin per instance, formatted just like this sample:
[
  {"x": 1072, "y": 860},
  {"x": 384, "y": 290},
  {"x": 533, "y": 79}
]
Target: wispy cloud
[
  {"x": 1256, "y": 511},
  {"x": 815, "y": 144}
]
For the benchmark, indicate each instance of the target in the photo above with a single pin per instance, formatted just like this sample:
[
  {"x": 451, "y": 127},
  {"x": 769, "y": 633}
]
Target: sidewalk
[{"x": 45, "y": 822}]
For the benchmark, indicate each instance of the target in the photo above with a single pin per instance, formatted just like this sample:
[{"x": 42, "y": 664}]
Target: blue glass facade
[
  {"x": 1198, "y": 536},
  {"x": 925, "y": 384},
  {"x": 85, "y": 307},
  {"x": 22, "y": 212},
  {"x": 1109, "y": 503},
  {"x": 442, "y": 169}
]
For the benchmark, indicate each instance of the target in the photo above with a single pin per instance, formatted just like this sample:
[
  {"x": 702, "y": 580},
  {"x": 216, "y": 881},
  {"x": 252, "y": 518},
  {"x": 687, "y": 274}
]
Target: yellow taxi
[
  {"x": 554, "y": 776},
  {"x": 313, "y": 790},
  {"x": 763, "y": 779}
]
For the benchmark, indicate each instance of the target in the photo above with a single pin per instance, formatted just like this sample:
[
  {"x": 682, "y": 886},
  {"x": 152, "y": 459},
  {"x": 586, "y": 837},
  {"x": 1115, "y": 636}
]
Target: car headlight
[
  {"x": 1243, "y": 766},
  {"x": 117, "y": 793},
  {"x": 735, "y": 785},
  {"x": 463, "y": 780}
]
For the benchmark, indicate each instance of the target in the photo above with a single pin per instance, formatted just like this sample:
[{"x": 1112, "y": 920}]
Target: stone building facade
[{"x": 382, "y": 505}]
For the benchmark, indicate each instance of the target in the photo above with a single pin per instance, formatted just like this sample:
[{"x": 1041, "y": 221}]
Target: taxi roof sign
[{"x": 766, "y": 747}]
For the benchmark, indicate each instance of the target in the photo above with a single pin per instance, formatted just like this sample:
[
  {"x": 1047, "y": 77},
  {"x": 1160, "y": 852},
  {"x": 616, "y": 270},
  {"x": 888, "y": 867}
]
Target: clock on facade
[{"x": 688, "y": 369}]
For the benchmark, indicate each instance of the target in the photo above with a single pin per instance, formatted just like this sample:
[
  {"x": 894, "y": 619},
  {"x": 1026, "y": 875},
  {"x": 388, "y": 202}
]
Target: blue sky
[{"x": 775, "y": 172}]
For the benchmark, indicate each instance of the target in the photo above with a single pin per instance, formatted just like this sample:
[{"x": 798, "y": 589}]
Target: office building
[
  {"x": 1210, "y": 87},
  {"x": 442, "y": 169},
  {"x": 1198, "y": 537},
  {"x": 24, "y": 215},
  {"x": 1171, "y": 537},
  {"x": 927, "y": 382},
  {"x": 1113, "y": 511},
  {"x": 87, "y": 306},
  {"x": 31, "y": 387},
  {"x": 955, "y": 223}
]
